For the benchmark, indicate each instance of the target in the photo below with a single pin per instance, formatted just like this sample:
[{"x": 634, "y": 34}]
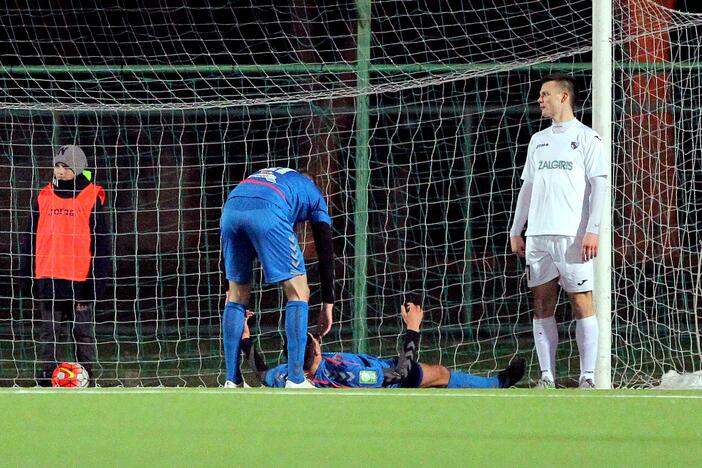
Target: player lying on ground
[{"x": 339, "y": 370}]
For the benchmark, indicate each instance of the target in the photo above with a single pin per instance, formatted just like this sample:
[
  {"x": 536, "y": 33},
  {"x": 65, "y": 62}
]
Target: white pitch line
[{"x": 346, "y": 393}]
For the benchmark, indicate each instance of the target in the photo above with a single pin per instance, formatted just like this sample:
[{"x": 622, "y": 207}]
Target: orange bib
[{"x": 63, "y": 234}]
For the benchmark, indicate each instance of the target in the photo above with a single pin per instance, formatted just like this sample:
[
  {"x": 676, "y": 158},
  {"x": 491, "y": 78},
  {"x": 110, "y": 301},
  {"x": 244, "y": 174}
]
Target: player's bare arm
[
  {"x": 247, "y": 332},
  {"x": 325, "y": 319},
  {"x": 518, "y": 245},
  {"x": 256, "y": 361}
]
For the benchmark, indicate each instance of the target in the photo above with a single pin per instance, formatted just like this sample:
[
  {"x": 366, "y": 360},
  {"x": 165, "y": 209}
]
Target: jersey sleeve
[
  {"x": 594, "y": 158},
  {"x": 318, "y": 212},
  {"x": 528, "y": 172},
  {"x": 276, "y": 376}
]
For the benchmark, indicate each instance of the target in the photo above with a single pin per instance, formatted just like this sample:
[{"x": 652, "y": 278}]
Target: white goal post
[{"x": 602, "y": 76}]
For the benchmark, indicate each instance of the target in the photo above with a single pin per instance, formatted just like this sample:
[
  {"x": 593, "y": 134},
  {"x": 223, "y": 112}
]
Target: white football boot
[
  {"x": 545, "y": 382},
  {"x": 304, "y": 384},
  {"x": 230, "y": 384},
  {"x": 586, "y": 383}
]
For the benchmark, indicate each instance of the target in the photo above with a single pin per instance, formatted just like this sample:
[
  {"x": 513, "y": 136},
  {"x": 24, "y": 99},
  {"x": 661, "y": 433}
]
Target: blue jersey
[
  {"x": 294, "y": 193},
  {"x": 258, "y": 220},
  {"x": 340, "y": 370}
]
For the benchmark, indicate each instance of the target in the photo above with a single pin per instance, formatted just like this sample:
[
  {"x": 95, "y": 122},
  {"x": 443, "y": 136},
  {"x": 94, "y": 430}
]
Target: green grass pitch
[{"x": 261, "y": 427}]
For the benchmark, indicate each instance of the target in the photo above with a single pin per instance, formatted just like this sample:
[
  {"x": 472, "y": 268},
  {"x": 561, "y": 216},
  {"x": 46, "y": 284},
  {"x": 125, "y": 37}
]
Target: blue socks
[
  {"x": 232, "y": 328},
  {"x": 295, "y": 329},
  {"x": 296, "y": 332},
  {"x": 464, "y": 380}
]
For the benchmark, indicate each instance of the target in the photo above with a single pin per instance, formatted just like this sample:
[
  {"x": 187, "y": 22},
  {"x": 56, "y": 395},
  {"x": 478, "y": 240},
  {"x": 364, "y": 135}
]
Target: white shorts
[{"x": 550, "y": 257}]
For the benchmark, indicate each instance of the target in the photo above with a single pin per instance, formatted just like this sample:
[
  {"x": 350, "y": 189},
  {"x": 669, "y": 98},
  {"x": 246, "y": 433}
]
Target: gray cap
[{"x": 73, "y": 157}]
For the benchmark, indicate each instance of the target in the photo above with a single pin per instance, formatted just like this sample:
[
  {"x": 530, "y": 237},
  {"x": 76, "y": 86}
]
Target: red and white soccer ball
[{"x": 70, "y": 375}]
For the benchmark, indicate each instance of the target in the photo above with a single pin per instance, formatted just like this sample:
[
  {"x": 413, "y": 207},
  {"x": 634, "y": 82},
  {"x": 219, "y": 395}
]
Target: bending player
[
  {"x": 258, "y": 219},
  {"x": 340, "y": 370}
]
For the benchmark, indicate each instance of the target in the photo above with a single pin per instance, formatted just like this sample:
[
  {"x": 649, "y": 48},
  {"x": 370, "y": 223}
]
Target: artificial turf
[{"x": 263, "y": 427}]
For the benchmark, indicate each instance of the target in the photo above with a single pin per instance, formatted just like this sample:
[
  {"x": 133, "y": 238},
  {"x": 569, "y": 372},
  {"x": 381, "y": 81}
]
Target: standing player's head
[{"x": 558, "y": 96}]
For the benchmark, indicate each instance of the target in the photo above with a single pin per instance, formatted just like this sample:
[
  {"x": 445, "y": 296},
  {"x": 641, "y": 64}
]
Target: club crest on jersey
[
  {"x": 573, "y": 145},
  {"x": 368, "y": 377}
]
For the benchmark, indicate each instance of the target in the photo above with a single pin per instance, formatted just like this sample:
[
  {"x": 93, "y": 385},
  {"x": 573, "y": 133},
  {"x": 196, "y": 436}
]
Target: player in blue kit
[
  {"x": 343, "y": 370},
  {"x": 258, "y": 220}
]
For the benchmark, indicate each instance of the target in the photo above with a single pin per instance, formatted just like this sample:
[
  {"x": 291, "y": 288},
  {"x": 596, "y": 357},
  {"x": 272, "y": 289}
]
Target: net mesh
[
  {"x": 256, "y": 53},
  {"x": 656, "y": 180}
]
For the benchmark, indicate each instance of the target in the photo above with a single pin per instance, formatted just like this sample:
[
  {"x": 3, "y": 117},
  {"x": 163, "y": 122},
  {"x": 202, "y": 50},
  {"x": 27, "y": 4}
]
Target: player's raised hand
[
  {"x": 589, "y": 246},
  {"x": 247, "y": 333},
  {"x": 325, "y": 320},
  {"x": 517, "y": 245},
  {"x": 412, "y": 314}
]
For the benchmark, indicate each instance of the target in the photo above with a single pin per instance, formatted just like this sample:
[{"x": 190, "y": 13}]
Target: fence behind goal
[{"x": 415, "y": 125}]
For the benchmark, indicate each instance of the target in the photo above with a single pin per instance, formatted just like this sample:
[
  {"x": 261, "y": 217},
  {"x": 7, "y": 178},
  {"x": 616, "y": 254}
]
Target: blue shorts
[{"x": 252, "y": 227}]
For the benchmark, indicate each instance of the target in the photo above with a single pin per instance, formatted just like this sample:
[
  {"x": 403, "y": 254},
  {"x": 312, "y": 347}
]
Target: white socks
[
  {"x": 546, "y": 342},
  {"x": 586, "y": 334}
]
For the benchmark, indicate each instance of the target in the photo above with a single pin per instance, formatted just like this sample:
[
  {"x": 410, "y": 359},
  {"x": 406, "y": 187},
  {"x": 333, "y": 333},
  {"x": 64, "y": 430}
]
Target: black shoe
[
  {"x": 43, "y": 378},
  {"x": 513, "y": 373}
]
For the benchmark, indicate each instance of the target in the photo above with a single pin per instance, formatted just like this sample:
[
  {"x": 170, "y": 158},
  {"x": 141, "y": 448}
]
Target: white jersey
[{"x": 560, "y": 161}]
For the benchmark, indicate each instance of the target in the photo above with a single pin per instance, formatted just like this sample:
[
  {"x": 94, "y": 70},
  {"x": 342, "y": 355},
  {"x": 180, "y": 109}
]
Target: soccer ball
[{"x": 69, "y": 375}]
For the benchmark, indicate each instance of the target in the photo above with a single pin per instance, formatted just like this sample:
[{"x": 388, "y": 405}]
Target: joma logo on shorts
[{"x": 565, "y": 165}]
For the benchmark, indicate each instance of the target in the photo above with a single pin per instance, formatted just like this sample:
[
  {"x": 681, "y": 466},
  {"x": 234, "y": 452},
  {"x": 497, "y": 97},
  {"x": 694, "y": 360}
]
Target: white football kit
[{"x": 560, "y": 161}]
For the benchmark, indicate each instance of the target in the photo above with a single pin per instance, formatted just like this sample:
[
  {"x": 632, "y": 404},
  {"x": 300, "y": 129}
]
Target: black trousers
[{"x": 81, "y": 323}]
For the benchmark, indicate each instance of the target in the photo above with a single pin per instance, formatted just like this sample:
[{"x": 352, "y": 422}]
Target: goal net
[
  {"x": 415, "y": 124},
  {"x": 657, "y": 193}
]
